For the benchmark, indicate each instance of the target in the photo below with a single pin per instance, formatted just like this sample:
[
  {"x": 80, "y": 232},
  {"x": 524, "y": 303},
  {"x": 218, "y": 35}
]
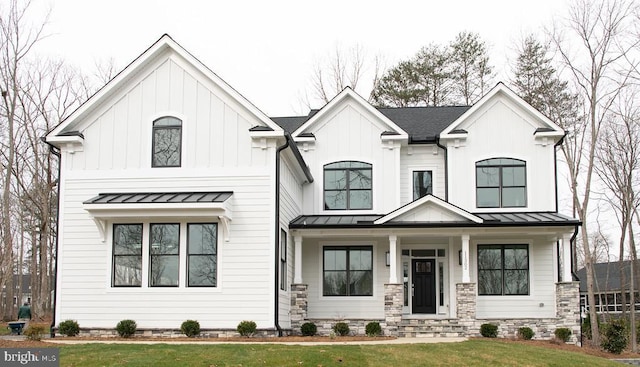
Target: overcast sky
[{"x": 267, "y": 49}]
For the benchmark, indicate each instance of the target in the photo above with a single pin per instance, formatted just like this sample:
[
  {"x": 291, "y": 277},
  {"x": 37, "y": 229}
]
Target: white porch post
[
  {"x": 393, "y": 269},
  {"x": 566, "y": 258},
  {"x": 297, "y": 265},
  {"x": 465, "y": 259}
]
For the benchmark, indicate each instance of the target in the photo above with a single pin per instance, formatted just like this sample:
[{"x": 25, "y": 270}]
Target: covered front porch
[{"x": 421, "y": 279}]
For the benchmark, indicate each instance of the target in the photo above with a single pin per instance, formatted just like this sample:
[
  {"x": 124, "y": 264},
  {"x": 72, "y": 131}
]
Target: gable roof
[
  {"x": 159, "y": 48},
  {"x": 422, "y": 124},
  {"x": 348, "y": 94},
  {"x": 548, "y": 128},
  {"x": 607, "y": 276},
  {"x": 422, "y": 202}
]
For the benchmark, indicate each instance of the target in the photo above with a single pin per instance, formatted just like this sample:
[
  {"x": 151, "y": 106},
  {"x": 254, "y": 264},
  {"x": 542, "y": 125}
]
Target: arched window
[
  {"x": 501, "y": 183},
  {"x": 347, "y": 185},
  {"x": 167, "y": 142}
]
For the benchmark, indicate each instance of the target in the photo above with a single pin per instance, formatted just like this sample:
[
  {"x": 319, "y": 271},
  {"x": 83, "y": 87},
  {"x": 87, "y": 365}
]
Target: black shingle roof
[
  {"x": 606, "y": 276},
  {"x": 423, "y": 124}
]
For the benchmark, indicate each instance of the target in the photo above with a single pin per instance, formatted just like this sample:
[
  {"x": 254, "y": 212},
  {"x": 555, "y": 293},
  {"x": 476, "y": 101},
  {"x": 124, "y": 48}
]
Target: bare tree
[
  {"x": 17, "y": 39},
  {"x": 618, "y": 165},
  {"x": 600, "y": 31}
]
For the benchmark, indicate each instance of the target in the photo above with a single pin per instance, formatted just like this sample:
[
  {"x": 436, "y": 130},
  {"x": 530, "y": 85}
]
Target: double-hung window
[
  {"x": 503, "y": 270},
  {"x": 167, "y": 142},
  {"x": 347, "y": 185},
  {"x": 127, "y": 255},
  {"x": 501, "y": 183},
  {"x": 348, "y": 271}
]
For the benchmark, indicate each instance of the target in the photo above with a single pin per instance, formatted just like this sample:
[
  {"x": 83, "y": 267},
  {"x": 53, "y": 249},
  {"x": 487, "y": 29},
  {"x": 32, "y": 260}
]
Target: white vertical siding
[
  {"x": 421, "y": 158},
  {"x": 352, "y": 134},
  {"x": 502, "y": 129}
]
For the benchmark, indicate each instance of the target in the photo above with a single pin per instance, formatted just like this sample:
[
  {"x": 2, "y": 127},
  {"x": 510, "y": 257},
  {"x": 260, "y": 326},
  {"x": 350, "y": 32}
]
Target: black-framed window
[
  {"x": 164, "y": 254},
  {"x": 167, "y": 142},
  {"x": 127, "y": 255},
  {"x": 501, "y": 183},
  {"x": 347, "y": 271},
  {"x": 422, "y": 184},
  {"x": 347, "y": 185},
  {"x": 283, "y": 259},
  {"x": 503, "y": 270},
  {"x": 202, "y": 249}
]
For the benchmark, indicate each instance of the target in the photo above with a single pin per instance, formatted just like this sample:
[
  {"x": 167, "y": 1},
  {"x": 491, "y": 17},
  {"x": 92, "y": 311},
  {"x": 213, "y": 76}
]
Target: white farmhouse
[{"x": 179, "y": 199}]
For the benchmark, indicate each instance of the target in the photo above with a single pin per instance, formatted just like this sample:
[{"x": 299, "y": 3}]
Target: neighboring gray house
[
  {"x": 10, "y": 305},
  {"x": 180, "y": 199},
  {"x": 608, "y": 287}
]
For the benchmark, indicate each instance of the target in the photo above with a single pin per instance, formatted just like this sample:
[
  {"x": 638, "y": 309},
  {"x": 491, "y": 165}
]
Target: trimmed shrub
[
  {"x": 615, "y": 336},
  {"x": 34, "y": 332},
  {"x": 190, "y": 328},
  {"x": 308, "y": 329},
  {"x": 525, "y": 333},
  {"x": 373, "y": 329},
  {"x": 341, "y": 328},
  {"x": 562, "y": 333},
  {"x": 126, "y": 328},
  {"x": 69, "y": 328},
  {"x": 489, "y": 330},
  {"x": 247, "y": 328}
]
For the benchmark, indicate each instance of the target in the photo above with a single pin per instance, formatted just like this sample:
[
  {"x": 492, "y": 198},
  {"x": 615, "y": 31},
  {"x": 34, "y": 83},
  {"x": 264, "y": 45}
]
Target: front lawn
[{"x": 476, "y": 352}]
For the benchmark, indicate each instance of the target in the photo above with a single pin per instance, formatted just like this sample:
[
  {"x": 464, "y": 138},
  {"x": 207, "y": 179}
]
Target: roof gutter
[
  {"x": 276, "y": 257},
  {"x": 446, "y": 169},
  {"x": 55, "y": 151}
]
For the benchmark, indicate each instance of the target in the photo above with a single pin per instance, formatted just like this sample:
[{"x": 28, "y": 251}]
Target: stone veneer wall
[
  {"x": 299, "y": 306},
  {"x": 393, "y": 302}
]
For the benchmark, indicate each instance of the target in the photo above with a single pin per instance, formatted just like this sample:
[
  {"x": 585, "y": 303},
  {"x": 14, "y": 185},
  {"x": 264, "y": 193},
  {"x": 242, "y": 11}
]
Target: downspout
[
  {"x": 276, "y": 284},
  {"x": 446, "y": 169},
  {"x": 55, "y": 151}
]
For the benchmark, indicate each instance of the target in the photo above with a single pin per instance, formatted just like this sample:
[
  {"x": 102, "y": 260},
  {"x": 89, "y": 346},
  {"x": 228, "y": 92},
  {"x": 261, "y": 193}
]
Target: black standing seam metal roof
[
  {"x": 524, "y": 219},
  {"x": 160, "y": 197},
  {"x": 421, "y": 123}
]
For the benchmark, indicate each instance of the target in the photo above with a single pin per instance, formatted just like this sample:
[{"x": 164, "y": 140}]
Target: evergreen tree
[{"x": 470, "y": 65}]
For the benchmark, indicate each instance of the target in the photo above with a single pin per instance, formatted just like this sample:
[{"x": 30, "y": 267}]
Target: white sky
[{"x": 267, "y": 49}]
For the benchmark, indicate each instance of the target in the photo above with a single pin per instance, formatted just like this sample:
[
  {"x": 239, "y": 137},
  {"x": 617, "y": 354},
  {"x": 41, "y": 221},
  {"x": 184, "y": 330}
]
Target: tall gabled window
[
  {"x": 167, "y": 142},
  {"x": 501, "y": 183},
  {"x": 347, "y": 185},
  {"x": 202, "y": 247},
  {"x": 422, "y": 184},
  {"x": 127, "y": 255},
  {"x": 164, "y": 255}
]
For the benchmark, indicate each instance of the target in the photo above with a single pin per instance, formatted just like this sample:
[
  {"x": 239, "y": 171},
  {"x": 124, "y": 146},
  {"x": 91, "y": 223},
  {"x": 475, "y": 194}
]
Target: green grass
[{"x": 469, "y": 353}]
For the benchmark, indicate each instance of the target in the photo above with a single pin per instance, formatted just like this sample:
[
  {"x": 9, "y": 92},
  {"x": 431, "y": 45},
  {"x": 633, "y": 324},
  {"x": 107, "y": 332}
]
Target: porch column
[
  {"x": 465, "y": 259},
  {"x": 297, "y": 264},
  {"x": 393, "y": 269},
  {"x": 566, "y": 258}
]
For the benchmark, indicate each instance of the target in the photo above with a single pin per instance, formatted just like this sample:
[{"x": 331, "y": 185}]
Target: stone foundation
[
  {"x": 298, "y": 305},
  {"x": 175, "y": 333},
  {"x": 356, "y": 326}
]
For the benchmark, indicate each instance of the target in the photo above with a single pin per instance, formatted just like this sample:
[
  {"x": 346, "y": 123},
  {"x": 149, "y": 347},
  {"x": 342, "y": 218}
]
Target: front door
[{"x": 424, "y": 286}]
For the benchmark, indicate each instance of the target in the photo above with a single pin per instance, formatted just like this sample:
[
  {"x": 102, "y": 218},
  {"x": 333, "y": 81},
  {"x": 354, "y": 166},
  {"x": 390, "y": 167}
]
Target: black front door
[{"x": 424, "y": 286}]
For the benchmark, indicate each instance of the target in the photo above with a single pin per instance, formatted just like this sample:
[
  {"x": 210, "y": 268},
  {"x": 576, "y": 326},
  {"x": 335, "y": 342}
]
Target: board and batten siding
[
  {"x": 352, "y": 134},
  {"x": 290, "y": 208},
  {"x": 421, "y": 158},
  {"x": 502, "y": 129},
  {"x": 360, "y": 307},
  {"x": 218, "y": 154},
  {"x": 214, "y": 126},
  {"x": 244, "y": 274},
  {"x": 540, "y": 303}
]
